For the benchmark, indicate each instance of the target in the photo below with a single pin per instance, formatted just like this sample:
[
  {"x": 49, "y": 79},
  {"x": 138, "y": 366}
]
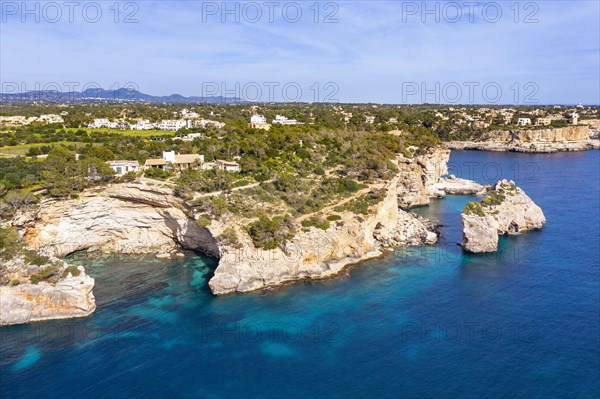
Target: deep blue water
[{"x": 421, "y": 322}]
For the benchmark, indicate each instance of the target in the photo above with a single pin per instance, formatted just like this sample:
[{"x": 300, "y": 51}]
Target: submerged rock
[{"x": 504, "y": 210}]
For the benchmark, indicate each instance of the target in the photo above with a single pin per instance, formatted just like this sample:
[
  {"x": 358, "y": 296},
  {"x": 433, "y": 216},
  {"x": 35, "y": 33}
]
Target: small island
[{"x": 504, "y": 210}]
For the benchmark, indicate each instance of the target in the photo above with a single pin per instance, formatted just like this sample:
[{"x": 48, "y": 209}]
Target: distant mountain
[{"x": 97, "y": 95}]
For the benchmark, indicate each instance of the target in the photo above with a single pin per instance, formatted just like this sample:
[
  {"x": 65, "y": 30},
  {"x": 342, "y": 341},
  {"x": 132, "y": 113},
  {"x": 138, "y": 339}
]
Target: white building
[
  {"x": 256, "y": 119},
  {"x": 103, "y": 122},
  {"x": 524, "y": 121},
  {"x": 188, "y": 114},
  {"x": 544, "y": 121},
  {"x": 142, "y": 124},
  {"x": 370, "y": 119},
  {"x": 13, "y": 120},
  {"x": 171, "y": 124},
  {"x": 183, "y": 161},
  {"x": 285, "y": 121},
  {"x": 190, "y": 136},
  {"x": 51, "y": 118},
  {"x": 259, "y": 122},
  {"x": 228, "y": 165},
  {"x": 574, "y": 118},
  {"x": 99, "y": 123},
  {"x": 204, "y": 123},
  {"x": 123, "y": 167}
]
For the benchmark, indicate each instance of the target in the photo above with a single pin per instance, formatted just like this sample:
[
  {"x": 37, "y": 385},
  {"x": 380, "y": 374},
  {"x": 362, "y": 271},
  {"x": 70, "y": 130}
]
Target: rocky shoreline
[
  {"x": 65, "y": 293},
  {"x": 504, "y": 210},
  {"x": 139, "y": 218},
  {"x": 571, "y": 138}
]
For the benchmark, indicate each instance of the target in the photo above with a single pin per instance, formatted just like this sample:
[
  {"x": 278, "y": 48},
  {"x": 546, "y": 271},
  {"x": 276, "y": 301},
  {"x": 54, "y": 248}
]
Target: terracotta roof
[{"x": 155, "y": 162}]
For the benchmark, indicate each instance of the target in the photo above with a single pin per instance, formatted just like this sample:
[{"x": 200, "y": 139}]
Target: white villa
[
  {"x": 228, "y": 165},
  {"x": 524, "y": 121},
  {"x": 171, "y": 124},
  {"x": 142, "y": 124},
  {"x": 19, "y": 120},
  {"x": 51, "y": 118},
  {"x": 190, "y": 136},
  {"x": 123, "y": 167},
  {"x": 171, "y": 160},
  {"x": 103, "y": 122},
  {"x": 285, "y": 121},
  {"x": 204, "y": 123},
  {"x": 258, "y": 119},
  {"x": 543, "y": 121},
  {"x": 259, "y": 122}
]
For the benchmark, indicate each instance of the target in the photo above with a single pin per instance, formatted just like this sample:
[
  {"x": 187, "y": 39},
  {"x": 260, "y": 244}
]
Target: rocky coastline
[
  {"x": 504, "y": 210},
  {"x": 570, "y": 138},
  {"x": 65, "y": 292},
  {"x": 139, "y": 218}
]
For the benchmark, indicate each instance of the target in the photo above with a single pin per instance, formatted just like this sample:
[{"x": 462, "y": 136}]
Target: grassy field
[
  {"x": 21, "y": 149},
  {"x": 138, "y": 133}
]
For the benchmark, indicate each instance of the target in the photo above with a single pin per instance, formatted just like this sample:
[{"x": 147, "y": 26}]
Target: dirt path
[{"x": 342, "y": 202}]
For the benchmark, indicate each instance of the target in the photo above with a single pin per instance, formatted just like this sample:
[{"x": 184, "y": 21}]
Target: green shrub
[
  {"x": 34, "y": 279},
  {"x": 45, "y": 274},
  {"x": 10, "y": 245},
  {"x": 34, "y": 258},
  {"x": 317, "y": 222},
  {"x": 333, "y": 218},
  {"x": 474, "y": 208},
  {"x": 156, "y": 173},
  {"x": 73, "y": 270},
  {"x": 229, "y": 237},
  {"x": 203, "y": 221},
  {"x": 15, "y": 282},
  {"x": 494, "y": 197},
  {"x": 271, "y": 233}
]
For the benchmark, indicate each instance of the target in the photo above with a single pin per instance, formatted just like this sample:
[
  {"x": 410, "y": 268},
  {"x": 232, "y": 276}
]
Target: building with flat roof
[{"x": 122, "y": 167}]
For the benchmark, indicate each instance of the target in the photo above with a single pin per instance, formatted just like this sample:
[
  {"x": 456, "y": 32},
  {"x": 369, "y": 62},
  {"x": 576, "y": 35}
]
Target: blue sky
[{"x": 370, "y": 51}]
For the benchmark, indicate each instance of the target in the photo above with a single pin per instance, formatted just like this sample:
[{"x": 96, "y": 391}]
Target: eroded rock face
[
  {"x": 127, "y": 218},
  {"x": 318, "y": 254},
  {"x": 480, "y": 233},
  {"x": 570, "y": 138},
  {"x": 418, "y": 175},
  {"x": 70, "y": 296},
  {"x": 504, "y": 210}
]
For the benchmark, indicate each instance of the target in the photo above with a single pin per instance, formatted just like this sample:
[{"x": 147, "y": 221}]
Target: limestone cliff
[
  {"x": 570, "y": 138},
  {"x": 126, "y": 218},
  {"x": 422, "y": 178},
  {"x": 504, "y": 210},
  {"x": 418, "y": 174},
  {"x": 316, "y": 254},
  {"x": 137, "y": 218},
  {"x": 64, "y": 292}
]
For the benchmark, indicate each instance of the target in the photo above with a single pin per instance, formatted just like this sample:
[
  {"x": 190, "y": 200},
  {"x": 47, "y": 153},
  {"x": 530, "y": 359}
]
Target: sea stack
[{"x": 504, "y": 210}]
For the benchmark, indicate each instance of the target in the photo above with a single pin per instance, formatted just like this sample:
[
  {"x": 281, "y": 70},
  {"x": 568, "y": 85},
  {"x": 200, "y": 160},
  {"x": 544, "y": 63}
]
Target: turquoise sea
[{"x": 418, "y": 322}]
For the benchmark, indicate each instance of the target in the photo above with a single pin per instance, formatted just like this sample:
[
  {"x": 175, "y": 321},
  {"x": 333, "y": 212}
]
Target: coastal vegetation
[{"x": 339, "y": 153}]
